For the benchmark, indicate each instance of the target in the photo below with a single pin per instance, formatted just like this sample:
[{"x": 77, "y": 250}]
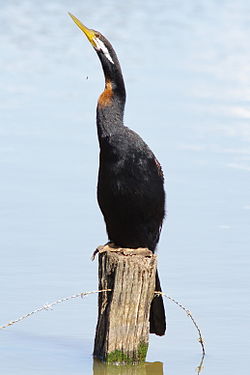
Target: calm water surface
[{"x": 187, "y": 72}]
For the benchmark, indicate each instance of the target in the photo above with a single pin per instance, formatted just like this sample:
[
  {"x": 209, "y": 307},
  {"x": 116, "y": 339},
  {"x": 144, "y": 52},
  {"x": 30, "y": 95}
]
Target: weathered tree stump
[{"x": 122, "y": 331}]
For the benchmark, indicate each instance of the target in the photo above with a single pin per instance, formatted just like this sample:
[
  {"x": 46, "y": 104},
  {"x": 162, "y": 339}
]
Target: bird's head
[
  {"x": 110, "y": 64},
  {"x": 102, "y": 46}
]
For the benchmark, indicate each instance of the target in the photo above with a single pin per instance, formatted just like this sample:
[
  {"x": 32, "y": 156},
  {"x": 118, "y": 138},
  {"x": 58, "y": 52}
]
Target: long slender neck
[{"x": 111, "y": 103}]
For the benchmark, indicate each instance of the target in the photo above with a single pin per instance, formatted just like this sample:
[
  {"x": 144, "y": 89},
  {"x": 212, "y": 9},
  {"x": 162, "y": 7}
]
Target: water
[{"x": 187, "y": 69}]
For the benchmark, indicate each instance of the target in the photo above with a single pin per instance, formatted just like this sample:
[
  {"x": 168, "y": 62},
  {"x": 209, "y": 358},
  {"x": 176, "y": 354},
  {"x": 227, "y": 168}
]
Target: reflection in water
[{"x": 148, "y": 368}]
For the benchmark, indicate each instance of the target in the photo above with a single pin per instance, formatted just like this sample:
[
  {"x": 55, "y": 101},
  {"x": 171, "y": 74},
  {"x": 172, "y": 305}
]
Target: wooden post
[{"x": 122, "y": 331}]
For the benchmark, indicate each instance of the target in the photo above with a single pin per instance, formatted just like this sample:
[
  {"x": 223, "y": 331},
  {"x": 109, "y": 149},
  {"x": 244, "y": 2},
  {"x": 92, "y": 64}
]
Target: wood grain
[{"x": 122, "y": 331}]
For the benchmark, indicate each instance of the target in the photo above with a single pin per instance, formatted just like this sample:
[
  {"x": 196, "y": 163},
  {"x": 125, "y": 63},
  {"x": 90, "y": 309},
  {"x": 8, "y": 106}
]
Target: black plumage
[{"x": 130, "y": 187}]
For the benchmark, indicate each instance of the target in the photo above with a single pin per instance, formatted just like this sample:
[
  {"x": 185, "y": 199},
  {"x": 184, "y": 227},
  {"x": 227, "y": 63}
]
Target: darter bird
[{"x": 130, "y": 187}]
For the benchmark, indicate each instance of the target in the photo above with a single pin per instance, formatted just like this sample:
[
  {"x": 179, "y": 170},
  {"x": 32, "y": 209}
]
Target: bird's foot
[{"x": 110, "y": 246}]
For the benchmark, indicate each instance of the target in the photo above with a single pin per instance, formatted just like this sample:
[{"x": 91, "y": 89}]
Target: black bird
[{"x": 130, "y": 188}]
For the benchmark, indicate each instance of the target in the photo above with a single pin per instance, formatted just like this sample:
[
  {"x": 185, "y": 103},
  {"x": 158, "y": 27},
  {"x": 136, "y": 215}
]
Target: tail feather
[{"x": 157, "y": 316}]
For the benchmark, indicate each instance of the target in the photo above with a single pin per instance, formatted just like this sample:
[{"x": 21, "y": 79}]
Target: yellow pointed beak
[{"x": 90, "y": 34}]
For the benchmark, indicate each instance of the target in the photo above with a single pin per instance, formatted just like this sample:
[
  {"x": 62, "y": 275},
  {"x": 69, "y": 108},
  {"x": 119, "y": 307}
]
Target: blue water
[{"x": 187, "y": 72}]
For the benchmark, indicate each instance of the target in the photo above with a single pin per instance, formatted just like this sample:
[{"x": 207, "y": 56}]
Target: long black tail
[{"x": 157, "y": 317}]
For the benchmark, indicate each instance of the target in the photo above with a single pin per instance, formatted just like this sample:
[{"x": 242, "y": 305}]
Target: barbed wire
[
  {"x": 48, "y": 306},
  {"x": 189, "y": 314},
  {"x": 199, "y": 368}
]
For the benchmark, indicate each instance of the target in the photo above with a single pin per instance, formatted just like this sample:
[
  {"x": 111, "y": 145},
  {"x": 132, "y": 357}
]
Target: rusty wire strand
[
  {"x": 48, "y": 306},
  {"x": 189, "y": 314}
]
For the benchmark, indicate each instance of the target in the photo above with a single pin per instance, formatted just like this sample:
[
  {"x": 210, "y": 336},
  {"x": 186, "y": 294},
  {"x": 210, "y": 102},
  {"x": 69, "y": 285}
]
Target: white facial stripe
[{"x": 101, "y": 46}]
